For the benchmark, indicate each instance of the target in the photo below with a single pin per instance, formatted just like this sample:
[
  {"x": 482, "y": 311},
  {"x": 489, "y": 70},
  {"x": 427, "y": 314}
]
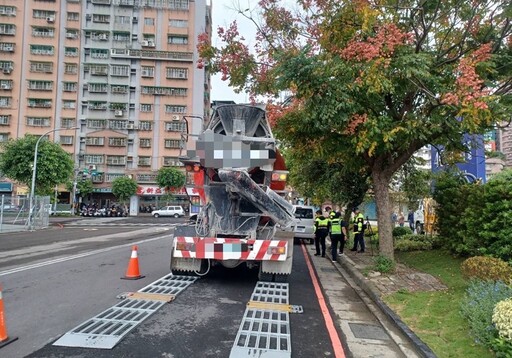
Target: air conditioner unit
[
  {"x": 151, "y": 44},
  {"x": 118, "y": 113},
  {"x": 144, "y": 43},
  {"x": 70, "y": 35},
  {"x": 103, "y": 37},
  {"x": 50, "y": 19},
  {"x": 7, "y": 70},
  {"x": 5, "y": 86},
  {"x": 175, "y": 117},
  {"x": 130, "y": 126}
]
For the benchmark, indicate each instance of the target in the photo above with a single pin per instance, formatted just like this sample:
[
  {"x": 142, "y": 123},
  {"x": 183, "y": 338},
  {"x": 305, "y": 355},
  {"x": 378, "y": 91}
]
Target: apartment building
[
  {"x": 120, "y": 74},
  {"x": 504, "y": 143}
]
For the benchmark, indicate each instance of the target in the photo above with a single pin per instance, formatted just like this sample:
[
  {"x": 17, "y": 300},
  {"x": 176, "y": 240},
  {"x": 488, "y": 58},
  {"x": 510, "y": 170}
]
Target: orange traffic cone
[
  {"x": 132, "y": 273},
  {"x": 4, "y": 339}
]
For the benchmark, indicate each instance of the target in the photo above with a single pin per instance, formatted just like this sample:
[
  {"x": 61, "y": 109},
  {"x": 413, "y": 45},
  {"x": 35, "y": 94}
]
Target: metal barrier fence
[{"x": 14, "y": 213}]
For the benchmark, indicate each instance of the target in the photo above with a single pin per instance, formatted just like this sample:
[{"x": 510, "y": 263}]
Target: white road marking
[{"x": 78, "y": 256}]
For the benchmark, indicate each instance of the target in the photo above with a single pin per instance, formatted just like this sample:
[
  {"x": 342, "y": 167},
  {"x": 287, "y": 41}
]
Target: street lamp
[{"x": 34, "y": 170}]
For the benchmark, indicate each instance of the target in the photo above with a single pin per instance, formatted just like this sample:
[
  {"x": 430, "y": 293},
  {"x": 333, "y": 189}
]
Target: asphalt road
[{"x": 58, "y": 278}]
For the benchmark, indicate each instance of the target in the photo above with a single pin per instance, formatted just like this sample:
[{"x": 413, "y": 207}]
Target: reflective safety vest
[
  {"x": 321, "y": 224},
  {"x": 336, "y": 226}
]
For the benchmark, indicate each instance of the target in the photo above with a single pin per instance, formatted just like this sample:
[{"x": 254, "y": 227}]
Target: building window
[
  {"x": 177, "y": 40},
  {"x": 73, "y": 16},
  {"x": 43, "y": 14},
  {"x": 104, "y": 19},
  {"x": 175, "y": 126},
  {"x": 40, "y": 85},
  {"x": 120, "y": 70},
  {"x": 121, "y": 36},
  {"x": 70, "y": 68},
  {"x": 172, "y": 162},
  {"x": 43, "y": 31},
  {"x": 178, "y": 4},
  {"x": 144, "y": 162},
  {"x": 39, "y": 103},
  {"x": 117, "y": 142},
  {"x": 149, "y": 21},
  {"x": 178, "y": 23},
  {"x": 145, "y": 143},
  {"x": 117, "y": 124},
  {"x": 38, "y": 121},
  {"x": 68, "y": 104},
  {"x": 145, "y": 125},
  {"x": 98, "y": 87},
  {"x": 95, "y": 141},
  {"x": 172, "y": 143},
  {"x": 67, "y": 122},
  {"x": 147, "y": 71},
  {"x": 5, "y": 119},
  {"x": 164, "y": 91},
  {"x": 70, "y": 51},
  {"x": 99, "y": 53},
  {"x": 97, "y": 123},
  {"x": 69, "y": 86},
  {"x": 7, "y": 46},
  {"x": 176, "y": 73},
  {"x": 94, "y": 159},
  {"x": 170, "y": 108},
  {"x": 66, "y": 140},
  {"x": 146, "y": 178},
  {"x": 41, "y": 50},
  {"x": 4, "y": 137},
  {"x": 7, "y": 29},
  {"x": 97, "y": 70},
  {"x": 119, "y": 88},
  {"x": 116, "y": 160},
  {"x": 6, "y": 84},
  {"x": 146, "y": 107},
  {"x": 5, "y": 102},
  {"x": 45, "y": 67},
  {"x": 97, "y": 105},
  {"x": 110, "y": 177},
  {"x": 122, "y": 20},
  {"x": 7, "y": 11}
]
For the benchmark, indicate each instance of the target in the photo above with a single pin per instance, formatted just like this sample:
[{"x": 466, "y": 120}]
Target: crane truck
[{"x": 240, "y": 177}]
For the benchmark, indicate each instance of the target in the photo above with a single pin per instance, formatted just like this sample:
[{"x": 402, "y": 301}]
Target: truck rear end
[{"x": 240, "y": 177}]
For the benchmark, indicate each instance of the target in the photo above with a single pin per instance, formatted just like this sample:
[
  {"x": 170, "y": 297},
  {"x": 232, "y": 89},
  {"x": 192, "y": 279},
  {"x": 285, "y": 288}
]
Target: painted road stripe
[
  {"x": 78, "y": 256},
  {"x": 329, "y": 323}
]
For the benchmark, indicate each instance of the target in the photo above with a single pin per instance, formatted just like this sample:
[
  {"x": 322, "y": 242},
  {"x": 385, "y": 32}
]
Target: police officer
[
  {"x": 322, "y": 227},
  {"x": 338, "y": 234},
  {"x": 358, "y": 230}
]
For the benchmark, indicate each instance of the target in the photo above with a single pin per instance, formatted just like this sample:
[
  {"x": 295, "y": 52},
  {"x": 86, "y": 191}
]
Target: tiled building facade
[{"x": 123, "y": 72}]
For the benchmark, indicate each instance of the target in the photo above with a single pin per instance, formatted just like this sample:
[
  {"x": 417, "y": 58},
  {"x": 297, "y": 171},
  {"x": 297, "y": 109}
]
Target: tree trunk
[{"x": 381, "y": 191}]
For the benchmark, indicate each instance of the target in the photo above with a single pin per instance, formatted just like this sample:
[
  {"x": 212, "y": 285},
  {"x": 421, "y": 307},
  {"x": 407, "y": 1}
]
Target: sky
[{"x": 222, "y": 15}]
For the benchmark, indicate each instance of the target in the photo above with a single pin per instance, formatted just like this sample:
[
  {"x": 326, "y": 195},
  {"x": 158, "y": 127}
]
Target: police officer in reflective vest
[
  {"x": 322, "y": 227},
  {"x": 358, "y": 231},
  {"x": 338, "y": 235}
]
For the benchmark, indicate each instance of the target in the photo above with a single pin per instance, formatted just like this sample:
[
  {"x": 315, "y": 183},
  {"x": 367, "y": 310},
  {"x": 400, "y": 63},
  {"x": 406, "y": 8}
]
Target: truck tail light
[
  {"x": 276, "y": 250},
  {"x": 185, "y": 246}
]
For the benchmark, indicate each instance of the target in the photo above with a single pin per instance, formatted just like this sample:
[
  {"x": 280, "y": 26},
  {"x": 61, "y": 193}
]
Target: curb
[{"x": 369, "y": 288}]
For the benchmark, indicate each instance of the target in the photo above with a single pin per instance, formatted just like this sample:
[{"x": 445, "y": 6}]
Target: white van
[
  {"x": 305, "y": 222},
  {"x": 176, "y": 211}
]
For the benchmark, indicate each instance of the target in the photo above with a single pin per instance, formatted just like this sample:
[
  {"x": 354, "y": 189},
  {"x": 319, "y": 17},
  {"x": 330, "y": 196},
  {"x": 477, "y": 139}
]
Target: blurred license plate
[{"x": 301, "y": 229}]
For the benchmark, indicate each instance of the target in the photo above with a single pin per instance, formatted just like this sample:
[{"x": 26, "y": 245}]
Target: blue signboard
[
  {"x": 474, "y": 157},
  {"x": 5, "y": 187}
]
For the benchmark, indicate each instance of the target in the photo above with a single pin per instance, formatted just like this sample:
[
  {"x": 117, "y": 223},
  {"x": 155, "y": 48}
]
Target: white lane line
[{"x": 78, "y": 256}]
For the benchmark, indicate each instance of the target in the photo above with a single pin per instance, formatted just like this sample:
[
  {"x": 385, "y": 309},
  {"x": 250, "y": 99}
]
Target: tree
[
  {"x": 54, "y": 165},
  {"x": 169, "y": 178},
  {"x": 374, "y": 82},
  {"x": 124, "y": 188}
]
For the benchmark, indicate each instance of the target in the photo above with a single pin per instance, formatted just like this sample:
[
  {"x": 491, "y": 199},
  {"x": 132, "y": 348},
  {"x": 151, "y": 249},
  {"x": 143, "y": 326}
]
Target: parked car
[
  {"x": 305, "y": 222},
  {"x": 10, "y": 207},
  {"x": 176, "y": 211}
]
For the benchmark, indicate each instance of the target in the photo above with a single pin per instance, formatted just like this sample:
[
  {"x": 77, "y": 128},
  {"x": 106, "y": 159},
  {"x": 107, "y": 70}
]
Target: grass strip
[{"x": 435, "y": 316}]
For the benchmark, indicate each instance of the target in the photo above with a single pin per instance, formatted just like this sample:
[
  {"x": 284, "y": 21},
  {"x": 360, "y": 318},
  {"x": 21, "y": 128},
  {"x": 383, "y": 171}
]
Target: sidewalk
[{"x": 377, "y": 285}]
